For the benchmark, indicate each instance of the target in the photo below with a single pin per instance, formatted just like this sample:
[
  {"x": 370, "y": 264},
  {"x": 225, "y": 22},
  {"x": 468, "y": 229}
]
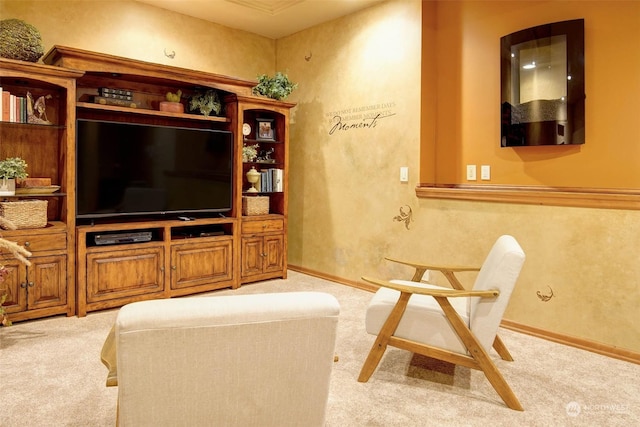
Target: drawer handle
[{"x": 27, "y": 243}]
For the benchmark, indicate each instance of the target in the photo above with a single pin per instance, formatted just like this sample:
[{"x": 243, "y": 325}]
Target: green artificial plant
[
  {"x": 206, "y": 102},
  {"x": 19, "y": 40},
  {"x": 13, "y": 167},
  {"x": 276, "y": 87},
  {"x": 173, "y": 97}
]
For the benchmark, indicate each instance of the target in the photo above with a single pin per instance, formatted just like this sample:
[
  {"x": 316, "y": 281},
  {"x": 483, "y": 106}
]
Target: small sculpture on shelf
[
  {"x": 37, "y": 111},
  {"x": 172, "y": 103},
  {"x": 253, "y": 176},
  {"x": 267, "y": 156}
]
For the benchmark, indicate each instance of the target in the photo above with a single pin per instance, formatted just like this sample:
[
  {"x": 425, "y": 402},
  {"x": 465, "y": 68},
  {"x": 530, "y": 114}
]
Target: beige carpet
[{"x": 51, "y": 375}]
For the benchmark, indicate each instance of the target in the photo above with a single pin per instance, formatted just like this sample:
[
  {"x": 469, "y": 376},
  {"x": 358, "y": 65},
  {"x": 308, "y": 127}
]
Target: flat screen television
[{"x": 126, "y": 169}]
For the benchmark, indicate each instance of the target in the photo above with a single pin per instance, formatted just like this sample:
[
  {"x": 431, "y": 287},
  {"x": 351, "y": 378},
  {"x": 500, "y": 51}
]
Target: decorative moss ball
[{"x": 19, "y": 40}]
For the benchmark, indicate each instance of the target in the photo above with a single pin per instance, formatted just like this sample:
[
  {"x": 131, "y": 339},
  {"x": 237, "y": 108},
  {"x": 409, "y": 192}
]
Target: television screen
[{"x": 134, "y": 169}]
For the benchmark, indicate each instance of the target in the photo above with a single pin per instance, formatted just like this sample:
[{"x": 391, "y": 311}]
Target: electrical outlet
[
  {"x": 471, "y": 172},
  {"x": 404, "y": 174},
  {"x": 485, "y": 172}
]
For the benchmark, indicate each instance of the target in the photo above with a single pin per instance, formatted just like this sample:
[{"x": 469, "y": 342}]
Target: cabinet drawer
[
  {"x": 265, "y": 226},
  {"x": 41, "y": 242}
]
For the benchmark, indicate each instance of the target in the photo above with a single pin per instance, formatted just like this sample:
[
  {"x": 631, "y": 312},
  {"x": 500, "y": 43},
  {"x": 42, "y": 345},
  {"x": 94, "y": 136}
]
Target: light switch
[
  {"x": 485, "y": 172},
  {"x": 404, "y": 174},
  {"x": 471, "y": 172}
]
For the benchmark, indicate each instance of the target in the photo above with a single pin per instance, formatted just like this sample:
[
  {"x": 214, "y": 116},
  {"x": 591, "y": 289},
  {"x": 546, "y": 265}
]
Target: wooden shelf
[
  {"x": 260, "y": 141},
  {"x": 32, "y": 195},
  {"x": 32, "y": 125},
  {"x": 263, "y": 164},
  {"x": 146, "y": 112}
]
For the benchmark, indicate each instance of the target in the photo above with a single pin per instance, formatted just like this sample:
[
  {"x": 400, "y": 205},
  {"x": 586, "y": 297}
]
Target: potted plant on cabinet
[
  {"x": 277, "y": 87},
  {"x": 10, "y": 169}
]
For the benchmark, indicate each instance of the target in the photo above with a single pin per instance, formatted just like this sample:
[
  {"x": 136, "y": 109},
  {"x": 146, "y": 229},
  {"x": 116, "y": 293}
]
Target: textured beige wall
[
  {"x": 344, "y": 182},
  {"x": 139, "y": 31},
  {"x": 345, "y": 192}
]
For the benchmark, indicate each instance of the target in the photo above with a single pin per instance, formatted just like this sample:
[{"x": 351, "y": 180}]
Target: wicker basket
[
  {"x": 255, "y": 205},
  {"x": 25, "y": 213}
]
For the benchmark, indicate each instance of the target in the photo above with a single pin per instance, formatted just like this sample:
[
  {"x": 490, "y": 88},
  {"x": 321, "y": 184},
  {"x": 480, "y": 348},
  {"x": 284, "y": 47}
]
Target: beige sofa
[{"x": 240, "y": 360}]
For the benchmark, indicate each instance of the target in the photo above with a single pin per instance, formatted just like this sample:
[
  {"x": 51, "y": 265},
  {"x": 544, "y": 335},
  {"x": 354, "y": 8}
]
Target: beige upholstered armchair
[
  {"x": 455, "y": 325},
  {"x": 240, "y": 360}
]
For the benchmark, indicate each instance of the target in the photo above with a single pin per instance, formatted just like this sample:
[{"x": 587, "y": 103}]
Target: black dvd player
[{"x": 118, "y": 238}]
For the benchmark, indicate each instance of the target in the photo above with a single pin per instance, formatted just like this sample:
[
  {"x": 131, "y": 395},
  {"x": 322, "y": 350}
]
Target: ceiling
[{"x": 268, "y": 18}]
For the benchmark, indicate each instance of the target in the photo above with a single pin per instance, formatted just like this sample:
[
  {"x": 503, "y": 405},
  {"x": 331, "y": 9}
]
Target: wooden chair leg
[
  {"x": 417, "y": 276},
  {"x": 380, "y": 345},
  {"x": 501, "y": 349},
  {"x": 480, "y": 355},
  {"x": 497, "y": 380}
]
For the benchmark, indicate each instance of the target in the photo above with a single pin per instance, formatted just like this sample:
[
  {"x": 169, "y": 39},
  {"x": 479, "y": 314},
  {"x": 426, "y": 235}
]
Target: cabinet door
[
  {"x": 124, "y": 273},
  {"x": 199, "y": 264},
  {"x": 47, "y": 282},
  {"x": 252, "y": 255},
  {"x": 15, "y": 284},
  {"x": 273, "y": 256}
]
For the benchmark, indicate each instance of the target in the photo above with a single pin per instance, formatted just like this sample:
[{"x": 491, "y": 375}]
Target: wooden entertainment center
[{"x": 70, "y": 273}]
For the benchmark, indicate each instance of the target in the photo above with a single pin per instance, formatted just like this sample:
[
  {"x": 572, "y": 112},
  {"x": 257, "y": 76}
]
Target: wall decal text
[{"x": 363, "y": 117}]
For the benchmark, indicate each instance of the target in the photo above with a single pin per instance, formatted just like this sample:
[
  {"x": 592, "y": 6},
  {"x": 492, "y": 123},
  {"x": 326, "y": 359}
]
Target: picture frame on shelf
[{"x": 265, "y": 130}]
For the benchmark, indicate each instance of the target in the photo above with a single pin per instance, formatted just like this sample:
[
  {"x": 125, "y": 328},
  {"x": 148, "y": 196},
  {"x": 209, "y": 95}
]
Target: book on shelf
[
  {"x": 263, "y": 182},
  {"x": 22, "y": 108},
  {"x": 271, "y": 180},
  {"x": 278, "y": 184},
  {"x": 12, "y": 108},
  {"x": 114, "y": 96},
  {"x": 117, "y": 102},
  {"x": 6, "y": 106},
  {"x": 113, "y": 93}
]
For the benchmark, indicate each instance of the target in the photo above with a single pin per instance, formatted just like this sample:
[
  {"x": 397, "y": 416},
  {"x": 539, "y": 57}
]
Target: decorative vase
[
  {"x": 7, "y": 187},
  {"x": 171, "y": 107},
  {"x": 253, "y": 176}
]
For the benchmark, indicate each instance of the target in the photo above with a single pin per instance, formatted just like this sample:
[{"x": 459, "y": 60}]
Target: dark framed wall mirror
[{"x": 542, "y": 85}]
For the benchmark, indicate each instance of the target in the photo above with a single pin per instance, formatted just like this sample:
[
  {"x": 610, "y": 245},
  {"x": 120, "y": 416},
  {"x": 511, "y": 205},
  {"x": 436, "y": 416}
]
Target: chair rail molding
[{"x": 604, "y": 198}]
